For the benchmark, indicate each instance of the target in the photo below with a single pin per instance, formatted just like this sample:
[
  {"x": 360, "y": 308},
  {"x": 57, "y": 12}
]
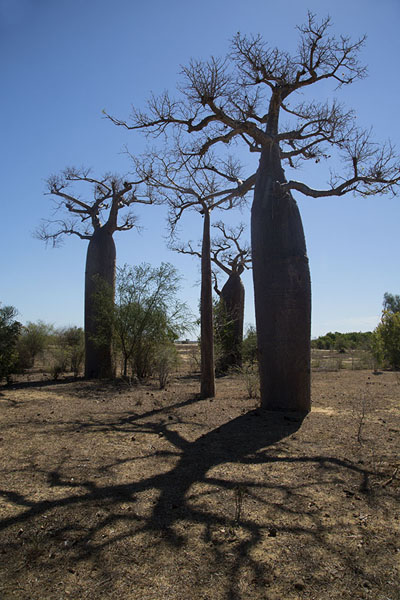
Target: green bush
[
  {"x": 391, "y": 302},
  {"x": 72, "y": 341},
  {"x": 35, "y": 338},
  {"x": 343, "y": 342},
  {"x": 9, "y": 333},
  {"x": 145, "y": 316},
  {"x": 249, "y": 347},
  {"x": 59, "y": 362},
  {"x": 387, "y": 339}
]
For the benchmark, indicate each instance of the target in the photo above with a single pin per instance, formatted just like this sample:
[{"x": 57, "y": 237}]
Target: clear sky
[{"x": 63, "y": 61}]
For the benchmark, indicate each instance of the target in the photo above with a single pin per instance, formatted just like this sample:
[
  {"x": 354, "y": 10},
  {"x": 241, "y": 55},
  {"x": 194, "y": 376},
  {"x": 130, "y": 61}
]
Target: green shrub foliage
[
  {"x": 355, "y": 340},
  {"x": 250, "y": 345},
  {"x": 10, "y": 330},
  {"x": 145, "y": 317},
  {"x": 387, "y": 339},
  {"x": 35, "y": 337},
  {"x": 72, "y": 342}
]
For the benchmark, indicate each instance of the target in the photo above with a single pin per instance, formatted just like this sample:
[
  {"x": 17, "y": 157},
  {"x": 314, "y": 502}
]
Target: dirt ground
[{"x": 127, "y": 492}]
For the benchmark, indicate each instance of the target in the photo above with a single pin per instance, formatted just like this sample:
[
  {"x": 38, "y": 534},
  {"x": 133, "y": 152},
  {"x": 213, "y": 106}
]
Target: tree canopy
[{"x": 242, "y": 96}]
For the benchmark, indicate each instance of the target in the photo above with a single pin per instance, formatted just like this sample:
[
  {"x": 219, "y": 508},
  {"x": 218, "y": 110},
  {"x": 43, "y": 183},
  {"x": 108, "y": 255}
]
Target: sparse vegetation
[
  {"x": 250, "y": 345},
  {"x": 249, "y": 374},
  {"x": 35, "y": 338},
  {"x": 72, "y": 341},
  {"x": 386, "y": 342},
  {"x": 140, "y": 492},
  {"x": 166, "y": 362},
  {"x": 140, "y": 487},
  {"x": 9, "y": 332},
  {"x": 343, "y": 341},
  {"x": 146, "y": 316}
]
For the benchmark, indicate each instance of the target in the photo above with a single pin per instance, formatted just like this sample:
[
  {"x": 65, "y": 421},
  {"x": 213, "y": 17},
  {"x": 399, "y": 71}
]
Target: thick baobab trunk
[
  {"x": 282, "y": 290},
  {"x": 232, "y": 296},
  {"x": 100, "y": 267},
  {"x": 207, "y": 386}
]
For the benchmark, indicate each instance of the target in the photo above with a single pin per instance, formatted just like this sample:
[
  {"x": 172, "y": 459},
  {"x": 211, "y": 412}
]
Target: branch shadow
[{"x": 246, "y": 440}]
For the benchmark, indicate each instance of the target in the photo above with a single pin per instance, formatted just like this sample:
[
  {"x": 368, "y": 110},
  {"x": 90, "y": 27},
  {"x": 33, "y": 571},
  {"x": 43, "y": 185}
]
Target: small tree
[
  {"x": 72, "y": 340},
  {"x": 10, "y": 330},
  {"x": 377, "y": 349},
  {"x": 250, "y": 345},
  {"x": 94, "y": 220},
  {"x": 387, "y": 336},
  {"x": 391, "y": 302},
  {"x": 34, "y": 339},
  {"x": 147, "y": 316}
]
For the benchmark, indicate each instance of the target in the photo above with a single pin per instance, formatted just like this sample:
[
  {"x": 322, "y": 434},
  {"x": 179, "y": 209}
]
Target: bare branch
[
  {"x": 239, "y": 98},
  {"x": 187, "y": 248},
  {"x": 183, "y": 181},
  {"x": 54, "y": 236},
  {"x": 228, "y": 252},
  {"x": 111, "y": 194},
  {"x": 321, "y": 56},
  {"x": 373, "y": 169}
]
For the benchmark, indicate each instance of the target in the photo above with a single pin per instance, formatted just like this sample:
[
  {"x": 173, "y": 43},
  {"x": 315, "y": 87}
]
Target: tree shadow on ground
[
  {"x": 244, "y": 440},
  {"x": 38, "y": 383}
]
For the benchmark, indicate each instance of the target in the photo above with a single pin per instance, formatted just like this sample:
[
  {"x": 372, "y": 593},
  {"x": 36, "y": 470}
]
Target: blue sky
[{"x": 63, "y": 61}]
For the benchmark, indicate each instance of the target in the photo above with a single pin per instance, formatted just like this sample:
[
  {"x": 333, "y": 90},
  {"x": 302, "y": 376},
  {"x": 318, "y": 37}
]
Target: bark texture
[
  {"x": 282, "y": 290},
  {"x": 232, "y": 296},
  {"x": 207, "y": 385},
  {"x": 100, "y": 263}
]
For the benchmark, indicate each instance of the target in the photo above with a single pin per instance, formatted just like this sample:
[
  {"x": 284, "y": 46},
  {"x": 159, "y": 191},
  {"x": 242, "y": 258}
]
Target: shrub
[
  {"x": 250, "y": 375},
  {"x": 147, "y": 315},
  {"x": 59, "y": 362},
  {"x": 166, "y": 361},
  {"x": 34, "y": 339},
  {"x": 72, "y": 340},
  {"x": 377, "y": 350},
  {"x": 250, "y": 345},
  {"x": 9, "y": 333},
  {"x": 387, "y": 338}
]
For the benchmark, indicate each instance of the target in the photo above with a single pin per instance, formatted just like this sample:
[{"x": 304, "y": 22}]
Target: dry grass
[{"x": 109, "y": 491}]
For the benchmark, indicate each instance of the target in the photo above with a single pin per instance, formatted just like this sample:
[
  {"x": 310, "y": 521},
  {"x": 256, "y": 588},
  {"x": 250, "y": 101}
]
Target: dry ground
[{"x": 132, "y": 493}]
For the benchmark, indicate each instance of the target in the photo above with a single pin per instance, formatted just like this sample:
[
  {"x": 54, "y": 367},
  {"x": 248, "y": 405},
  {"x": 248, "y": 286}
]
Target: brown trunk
[
  {"x": 100, "y": 265},
  {"x": 232, "y": 295},
  {"x": 282, "y": 291},
  {"x": 207, "y": 386}
]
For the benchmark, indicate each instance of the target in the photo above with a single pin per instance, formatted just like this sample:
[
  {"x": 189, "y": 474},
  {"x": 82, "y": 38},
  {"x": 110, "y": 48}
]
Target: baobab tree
[
  {"x": 230, "y": 256},
  {"x": 95, "y": 220},
  {"x": 242, "y": 98},
  {"x": 203, "y": 184}
]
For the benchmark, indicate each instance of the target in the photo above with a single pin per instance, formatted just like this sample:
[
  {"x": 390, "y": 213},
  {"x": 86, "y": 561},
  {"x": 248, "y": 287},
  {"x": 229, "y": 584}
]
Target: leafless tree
[
  {"x": 244, "y": 98},
  {"x": 202, "y": 184},
  {"x": 95, "y": 220},
  {"x": 230, "y": 256}
]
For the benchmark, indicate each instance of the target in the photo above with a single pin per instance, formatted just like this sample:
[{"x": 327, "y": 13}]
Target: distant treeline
[{"x": 355, "y": 340}]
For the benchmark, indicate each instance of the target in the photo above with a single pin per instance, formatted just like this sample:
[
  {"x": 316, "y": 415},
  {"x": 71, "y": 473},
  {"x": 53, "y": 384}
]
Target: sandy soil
[{"x": 110, "y": 491}]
